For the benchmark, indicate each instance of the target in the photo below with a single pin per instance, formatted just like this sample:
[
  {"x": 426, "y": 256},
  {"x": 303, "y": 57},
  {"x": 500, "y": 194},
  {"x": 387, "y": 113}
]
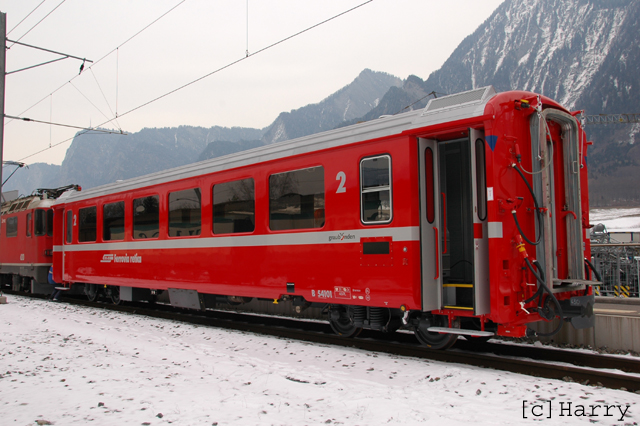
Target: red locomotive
[
  {"x": 465, "y": 218},
  {"x": 26, "y": 243}
]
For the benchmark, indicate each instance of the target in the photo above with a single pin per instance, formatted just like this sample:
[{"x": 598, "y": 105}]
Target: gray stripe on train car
[{"x": 408, "y": 233}]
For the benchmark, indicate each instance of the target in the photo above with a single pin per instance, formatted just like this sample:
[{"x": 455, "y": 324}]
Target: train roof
[
  {"x": 25, "y": 203},
  {"x": 439, "y": 110}
]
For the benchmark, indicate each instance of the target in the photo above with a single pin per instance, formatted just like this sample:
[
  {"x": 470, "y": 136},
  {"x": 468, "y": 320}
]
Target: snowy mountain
[
  {"x": 555, "y": 47},
  {"x": 348, "y": 103},
  {"x": 583, "y": 53}
]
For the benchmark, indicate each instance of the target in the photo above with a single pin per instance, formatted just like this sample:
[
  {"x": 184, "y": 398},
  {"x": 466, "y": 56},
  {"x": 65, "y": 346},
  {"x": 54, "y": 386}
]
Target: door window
[{"x": 375, "y": 184}]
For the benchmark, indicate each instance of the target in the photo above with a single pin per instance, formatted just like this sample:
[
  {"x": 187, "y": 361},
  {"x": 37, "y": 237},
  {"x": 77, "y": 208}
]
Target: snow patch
[
  {"x": 71, "y": 365},
  {"x": 280, "y": 133},
  {"x": 344, "y": 114}
]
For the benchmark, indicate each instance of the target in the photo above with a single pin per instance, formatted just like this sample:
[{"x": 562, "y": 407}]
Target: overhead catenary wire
[
  {"x": 105, "y": 99},
  {"x": 25, "y": 18},
  {"x": 89, "y": 100},
  {"x": 103, "y": 57},
  {"x": 206, "y": 75},
  {"x": 38, "y": 23},
  {"x": 90, "y": 129},
  {"x": 244, "y": 58}
]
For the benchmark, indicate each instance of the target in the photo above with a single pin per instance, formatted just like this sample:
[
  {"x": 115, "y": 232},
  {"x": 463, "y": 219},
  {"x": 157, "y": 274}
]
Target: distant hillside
[
  {"x": 97, "y": 158},
  {"x": 352, "y": 101},
  {"x": 411, "y": 95},
  {"x": 220, "y": 148}
]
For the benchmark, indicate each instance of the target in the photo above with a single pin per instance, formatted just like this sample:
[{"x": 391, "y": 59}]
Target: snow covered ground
[
  {"x": 623, "y": 219},
  {"x": 69, "y": 365}
]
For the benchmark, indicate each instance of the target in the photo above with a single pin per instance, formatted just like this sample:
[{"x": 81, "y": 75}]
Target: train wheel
[
  {"x": 345, "y": 328},
  {"x": 91, "y": 290},
  {"x": 114, "y": 293},
  {"x": 434, "y": 340},
  {"x": 342, "y": 323}
]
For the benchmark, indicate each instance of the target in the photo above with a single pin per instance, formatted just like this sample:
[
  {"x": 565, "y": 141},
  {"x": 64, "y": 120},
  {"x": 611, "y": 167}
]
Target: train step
[{"x": 460, "y": 331}]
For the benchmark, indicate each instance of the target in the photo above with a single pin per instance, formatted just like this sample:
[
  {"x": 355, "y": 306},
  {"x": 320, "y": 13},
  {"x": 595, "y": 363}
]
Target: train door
[
  {"x": 556, "y": 184},
  {"x": 455, "y": 272}
]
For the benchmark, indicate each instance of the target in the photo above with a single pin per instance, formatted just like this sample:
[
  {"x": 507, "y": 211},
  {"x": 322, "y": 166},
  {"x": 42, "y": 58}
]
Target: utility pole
[{"x": 3, "y": 69}]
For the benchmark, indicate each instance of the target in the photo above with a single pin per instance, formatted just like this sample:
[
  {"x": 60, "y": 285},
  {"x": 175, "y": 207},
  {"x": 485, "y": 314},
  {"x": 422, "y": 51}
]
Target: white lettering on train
[
  {"x": 341, "y": 237},
  {"x": 325, "y": 294},
  {"x": 108, "y": 258}
]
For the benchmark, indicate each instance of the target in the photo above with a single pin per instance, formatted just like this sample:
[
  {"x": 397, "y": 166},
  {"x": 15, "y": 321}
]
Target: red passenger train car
[{"x": 465, "y": 218}]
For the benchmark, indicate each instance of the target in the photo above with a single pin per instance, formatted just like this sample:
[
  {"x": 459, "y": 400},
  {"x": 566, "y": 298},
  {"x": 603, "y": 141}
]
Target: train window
[
  {"x": 50, "y": 222},
  {"x": 40, "y": 224},
  {"x": 234, "y": 207},
  {"x": 481, "y": 180},
  {"x": 29, "y": 223},
  {"x": 146, "y": 217},
  {"x": 184, "y": 213},
  {"x": 87, "y": 223},
  {"x": 375, "y": 183},
  {"x": 69, "y": 226},
  {"x": 296, "y": 199},
  {"x": 113, "y": 221},
  {"x": 12, "y": 226},
  {"x": 429, "y": 185}
]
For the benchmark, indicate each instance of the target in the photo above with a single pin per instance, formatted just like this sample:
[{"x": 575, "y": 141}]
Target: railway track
[{"x": 586, "y": 368}]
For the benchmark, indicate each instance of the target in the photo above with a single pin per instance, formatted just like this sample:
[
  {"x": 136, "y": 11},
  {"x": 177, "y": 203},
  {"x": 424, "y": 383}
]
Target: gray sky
[{"x": 400, "y": 37}]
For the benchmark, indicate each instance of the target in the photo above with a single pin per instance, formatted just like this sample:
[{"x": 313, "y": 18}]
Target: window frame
[
  {"x": 50, "y": 224},
  {"x": 156, "y": 230},
  {"x": 481, "y": 179},
  {"x": 430, "y": 189},
  {"x": 68, "y": 225},
  {"x": 81, "y": 223},
  {"x": 107, "y": 226},
  {"x": 29, "y": 223},
  {"x": 371, "y": 190},
  {"x": 168, "y": 215},
  {"x": 315, "y": 219},
  {"x": 13, "y": 222},
  {"x": 213, "y": 206},
  {"x": 40, "y": 218}
]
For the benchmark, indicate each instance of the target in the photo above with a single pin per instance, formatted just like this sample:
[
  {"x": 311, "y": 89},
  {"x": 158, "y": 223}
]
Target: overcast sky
[{"x": 197, "y": 37}]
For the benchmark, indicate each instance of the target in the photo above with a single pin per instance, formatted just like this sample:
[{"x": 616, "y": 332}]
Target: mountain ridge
[{"x": 583, "y": 53}]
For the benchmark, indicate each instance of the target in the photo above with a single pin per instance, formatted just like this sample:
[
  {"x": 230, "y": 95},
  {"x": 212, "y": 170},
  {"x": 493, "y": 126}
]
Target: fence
[{"x": 618, "y": 265}]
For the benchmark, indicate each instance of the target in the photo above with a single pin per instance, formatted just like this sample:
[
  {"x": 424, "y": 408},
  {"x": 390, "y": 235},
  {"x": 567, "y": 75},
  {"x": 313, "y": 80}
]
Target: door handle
[
  {"x": 444, "y": 219},
  {"x": 437, "y": 239}
]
